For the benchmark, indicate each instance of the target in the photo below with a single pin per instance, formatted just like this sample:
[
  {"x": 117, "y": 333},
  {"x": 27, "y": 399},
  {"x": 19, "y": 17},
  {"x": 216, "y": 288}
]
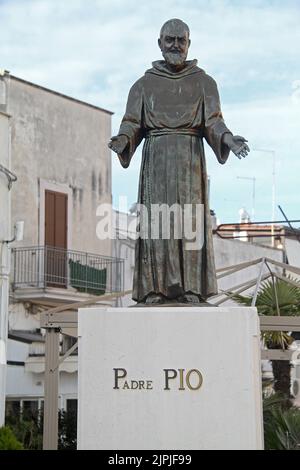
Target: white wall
[
  {"x": 293, "y": 254},
  {"x": 232, "y": 252},
  {"x": 221, "y": 344},
  {"x": 22, "y": 385},
  {"x": 22, "y": 319},
  {"x": 124, "y": 228}
]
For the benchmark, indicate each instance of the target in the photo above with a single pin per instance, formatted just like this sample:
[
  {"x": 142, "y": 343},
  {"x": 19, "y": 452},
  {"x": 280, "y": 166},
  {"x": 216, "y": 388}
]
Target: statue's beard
[{"x": 175, "y": 58}]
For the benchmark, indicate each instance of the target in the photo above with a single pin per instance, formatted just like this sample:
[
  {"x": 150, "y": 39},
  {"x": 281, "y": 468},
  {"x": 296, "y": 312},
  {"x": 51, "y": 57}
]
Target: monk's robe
[{"x": 173, "y": 112}]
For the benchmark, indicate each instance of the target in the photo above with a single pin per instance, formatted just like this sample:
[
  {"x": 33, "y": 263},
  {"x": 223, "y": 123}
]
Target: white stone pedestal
[{"x": 169, "y": 378}]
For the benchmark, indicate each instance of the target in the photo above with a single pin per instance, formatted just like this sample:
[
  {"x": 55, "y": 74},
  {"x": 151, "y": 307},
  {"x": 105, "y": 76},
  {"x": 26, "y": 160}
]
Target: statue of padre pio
[{"x": 173, "y": 107}]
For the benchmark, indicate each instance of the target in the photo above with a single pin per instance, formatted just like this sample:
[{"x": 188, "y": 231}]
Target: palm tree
[
  {"x": 277, "y": 297},
  {"x": 281, "y": 426}
]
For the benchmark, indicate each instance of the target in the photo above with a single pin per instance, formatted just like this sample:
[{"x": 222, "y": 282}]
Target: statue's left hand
[{"x": 237, "y": 144}]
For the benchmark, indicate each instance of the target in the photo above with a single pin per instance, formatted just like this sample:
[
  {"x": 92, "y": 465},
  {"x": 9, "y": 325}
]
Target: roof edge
[{"x": 57, "y": 93}]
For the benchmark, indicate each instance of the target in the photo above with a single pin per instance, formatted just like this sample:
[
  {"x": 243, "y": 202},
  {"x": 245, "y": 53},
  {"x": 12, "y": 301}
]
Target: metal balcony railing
[{"x": 45, "y": 266}]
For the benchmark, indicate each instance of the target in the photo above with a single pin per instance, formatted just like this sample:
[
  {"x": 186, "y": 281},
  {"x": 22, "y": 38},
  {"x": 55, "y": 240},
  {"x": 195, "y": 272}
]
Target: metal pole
[
  {"x": 289, "y": 223},
  {"x": 253, "y": 199},
  {"x": 272, "y": 152},
  {"x": 4, "y": 301},
  {"x": 5, "y": 234},
  {"x": 86, "y": 272},
  {"x": 254, "y": 298},
  {"x": 50, "y": 435},
  {"x": 273, "y": 196},
  {"x": 253, "y": 179}
]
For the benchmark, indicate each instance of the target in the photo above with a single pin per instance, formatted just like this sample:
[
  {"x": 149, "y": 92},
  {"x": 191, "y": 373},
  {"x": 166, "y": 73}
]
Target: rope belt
[{"x": 159, "y": 132}]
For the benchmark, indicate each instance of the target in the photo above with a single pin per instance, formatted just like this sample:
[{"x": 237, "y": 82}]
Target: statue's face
[{"x": 174, "y": 44}]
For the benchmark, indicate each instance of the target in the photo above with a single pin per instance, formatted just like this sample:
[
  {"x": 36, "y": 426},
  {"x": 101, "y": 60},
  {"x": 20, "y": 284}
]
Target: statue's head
[{"x": 174, "y": 42}]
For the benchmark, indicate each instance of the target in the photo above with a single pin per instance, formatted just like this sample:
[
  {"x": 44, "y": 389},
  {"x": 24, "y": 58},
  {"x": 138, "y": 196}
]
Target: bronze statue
[{"x": 173, "y": 107}]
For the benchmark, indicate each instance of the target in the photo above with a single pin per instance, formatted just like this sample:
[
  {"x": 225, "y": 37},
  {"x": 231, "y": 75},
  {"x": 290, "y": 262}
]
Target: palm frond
[{"x": 288, "y": 297}]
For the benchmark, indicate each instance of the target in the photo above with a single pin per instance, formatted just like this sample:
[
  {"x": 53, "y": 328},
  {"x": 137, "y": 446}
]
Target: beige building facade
[{"x": 58, "y": 150}]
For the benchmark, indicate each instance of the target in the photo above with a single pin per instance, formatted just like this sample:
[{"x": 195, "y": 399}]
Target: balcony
[{"x": 55, "y": 275}]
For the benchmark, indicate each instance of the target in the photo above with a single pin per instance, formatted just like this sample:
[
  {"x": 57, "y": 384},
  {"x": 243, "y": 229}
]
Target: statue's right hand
[{"x": 118, "y": 143}]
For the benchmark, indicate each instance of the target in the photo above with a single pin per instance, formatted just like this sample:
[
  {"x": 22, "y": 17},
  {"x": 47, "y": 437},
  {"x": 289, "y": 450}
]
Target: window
[
  {"x": 27, "y": 408},
  {"x": 30, "y": 409},
  {"x": 12, "y": 409},
  {"x": 72, "y": 406},
  {"x": 67, "y": 343}
]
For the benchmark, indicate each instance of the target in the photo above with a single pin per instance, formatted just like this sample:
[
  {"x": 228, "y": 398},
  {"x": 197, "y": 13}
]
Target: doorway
[{"x": 56, "y": 239}]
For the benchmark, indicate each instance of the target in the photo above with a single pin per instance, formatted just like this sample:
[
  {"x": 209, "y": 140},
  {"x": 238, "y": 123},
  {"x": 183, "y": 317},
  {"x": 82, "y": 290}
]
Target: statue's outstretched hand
[
  {"x": 237, "y": 144},
  {"x": 118, "y": 143}
]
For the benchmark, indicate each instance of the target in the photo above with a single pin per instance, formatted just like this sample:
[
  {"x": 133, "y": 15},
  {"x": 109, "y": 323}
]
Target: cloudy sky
[{"x": 95, "y": 50}]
